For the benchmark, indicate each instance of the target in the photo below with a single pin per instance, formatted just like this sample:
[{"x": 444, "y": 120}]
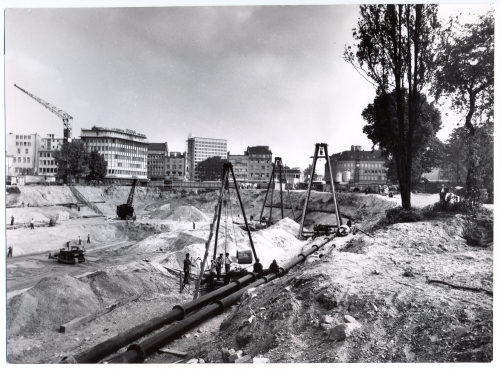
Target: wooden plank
[{"x": 172, "y": 352}]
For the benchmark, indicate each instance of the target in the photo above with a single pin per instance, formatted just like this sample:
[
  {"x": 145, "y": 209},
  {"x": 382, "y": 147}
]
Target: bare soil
[{"x": 419, "y": 292}]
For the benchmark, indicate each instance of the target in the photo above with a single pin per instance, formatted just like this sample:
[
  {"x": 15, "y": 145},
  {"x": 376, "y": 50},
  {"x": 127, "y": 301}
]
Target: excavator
[{"x": 126, "y": 211}]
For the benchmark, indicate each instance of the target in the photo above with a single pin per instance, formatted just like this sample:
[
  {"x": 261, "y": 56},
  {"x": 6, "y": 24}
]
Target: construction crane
[
  {"x": 66, "y": 118},
  {"x": 126, "y": 211}
]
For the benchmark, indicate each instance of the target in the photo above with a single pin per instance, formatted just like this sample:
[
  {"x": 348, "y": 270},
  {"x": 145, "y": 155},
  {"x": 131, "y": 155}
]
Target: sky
[{"x": 254, "y": 75}]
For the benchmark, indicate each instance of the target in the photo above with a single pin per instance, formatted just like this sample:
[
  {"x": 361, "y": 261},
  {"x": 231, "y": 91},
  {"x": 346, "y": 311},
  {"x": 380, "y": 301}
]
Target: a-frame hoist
[
  {"x": 277, "y": 170},
  {"x": 321, "y": 151},
  {"x": 224, "y": 201}
]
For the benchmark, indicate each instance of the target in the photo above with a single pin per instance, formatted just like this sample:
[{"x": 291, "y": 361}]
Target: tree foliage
[
  {"x": 98, "y": 166},
  {"x": 382, "y": 129},
  {"x": 465, "y": 76},
  {"x": 72, "y": 160},
  {"x": 307, "y": 173},
  {"x": 394, "y": 51}
]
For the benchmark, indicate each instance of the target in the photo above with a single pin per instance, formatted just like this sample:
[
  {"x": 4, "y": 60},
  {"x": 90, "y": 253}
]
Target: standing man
[
  {"x": 88, "y": 239},
  {"x": 11, "y": 220},
  {"x": 79, "y": 240},
  {"x": 218, "y": 265},
  {"x": 194, "y": 226},
  {"x": 227, "y": 264},
  {"x": 187, "y": 269},
  {"x": 9, "y": 253},
  {"x": 32, "y": 223}
]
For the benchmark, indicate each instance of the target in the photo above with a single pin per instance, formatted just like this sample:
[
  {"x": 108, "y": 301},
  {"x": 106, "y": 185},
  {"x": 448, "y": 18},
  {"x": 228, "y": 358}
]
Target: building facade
[
  {"x": 157, "y": 155},
  {"x": 201, "y": 148},
  {"x": 240, "y": 166},
  {"x": 369, "y": 164},
  {"x": 260, "y": 163},
  {"x": 24, "y": 150},
  {"x": 46, "y": 163},
  {"x": 175, "y": 166},
  {"x": 125, "y": 151}
]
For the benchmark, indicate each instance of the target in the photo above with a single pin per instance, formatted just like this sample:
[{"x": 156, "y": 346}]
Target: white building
[
  {"x": 24, "y": 150},
  {"x": 46, "y": 163},
  {"x": 125, "y": 151},
  {"x": 201, "y": 148}
]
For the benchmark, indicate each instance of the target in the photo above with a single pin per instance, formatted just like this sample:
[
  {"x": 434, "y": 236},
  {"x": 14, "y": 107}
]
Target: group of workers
[{"x": 215, "y": 269}]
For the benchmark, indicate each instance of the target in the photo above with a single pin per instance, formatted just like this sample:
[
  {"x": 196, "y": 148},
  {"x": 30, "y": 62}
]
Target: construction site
[{"x": 97, "y": 274}]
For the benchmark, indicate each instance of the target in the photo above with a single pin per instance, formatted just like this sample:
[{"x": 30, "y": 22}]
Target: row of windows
[
  {"x": 45, "y": 155},
  {"x": 47, "y": 170},
  {"x": 26, "y": 151},
  {"x": 24, "y": 160},
  {"x": 23, "y": 143},
  {"x": 373, "y": 178},
  {"x": 374, "y": 171},
  {"x": 346, "y": 165},
  {"x": 126, "y": 172},
  {"x": 47, "y": 162},
  {"x": 23, "y": 137},
  {"x": 124, "y": 157}
]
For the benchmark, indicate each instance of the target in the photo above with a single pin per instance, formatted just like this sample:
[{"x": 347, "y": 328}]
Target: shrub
[{"x": 398, "y": 215}]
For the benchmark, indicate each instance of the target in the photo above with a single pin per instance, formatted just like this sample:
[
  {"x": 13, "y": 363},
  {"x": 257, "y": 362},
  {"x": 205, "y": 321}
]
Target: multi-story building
[
  {"x": 46, "y": 163},
  {"x": 125, "y": 151},
  {"x": 24, "y": 150},
  {"x": 348, "y": 165},
  {"x": 157, "y": 155},
  {"x": 201, "y": 148},
  {"x": 292, "y": 176},
  {"x": 240, "y": 166},
  {"x": 260, "y": 163},
  {"x": 175, "y": 166}
]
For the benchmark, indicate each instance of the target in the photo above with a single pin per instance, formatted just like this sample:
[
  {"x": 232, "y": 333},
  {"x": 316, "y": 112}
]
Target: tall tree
[
  {"x": 72, "y": 160},
  {"x": 394, "y": 49},
  {"x": 464, "y": 75},
  {"x": 98, "y": 166},
  {"x": 383, "y": 130}
]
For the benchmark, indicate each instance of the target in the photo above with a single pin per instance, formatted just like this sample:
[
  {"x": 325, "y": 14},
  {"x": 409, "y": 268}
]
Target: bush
[{"x": 398, "y": 215}]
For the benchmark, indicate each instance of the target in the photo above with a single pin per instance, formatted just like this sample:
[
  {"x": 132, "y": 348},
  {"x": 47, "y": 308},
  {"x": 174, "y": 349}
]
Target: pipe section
[
  {"x": 106, "y": 348},
  {"x": 136, "y": 353}
]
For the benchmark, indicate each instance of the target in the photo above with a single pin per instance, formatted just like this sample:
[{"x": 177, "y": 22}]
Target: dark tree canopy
[
  {"x": 382, "y": 129},
  {"x": 98, "y": 166},
  {"x": 394, "y": 51},
  {"x": 210, "y": 169},
  {"x": 465, "y": 76},
  {"x": 72, "y": 160}
]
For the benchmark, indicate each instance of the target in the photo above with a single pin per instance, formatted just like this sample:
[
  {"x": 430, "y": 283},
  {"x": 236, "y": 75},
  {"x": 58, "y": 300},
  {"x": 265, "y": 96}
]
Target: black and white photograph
[{"x": 217, "y": 182}]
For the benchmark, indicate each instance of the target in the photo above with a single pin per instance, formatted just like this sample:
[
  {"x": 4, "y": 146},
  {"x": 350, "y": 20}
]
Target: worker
[
  {"x": 218, "y": 265},
  {"x": 11, "y": 220},
  {"x": 187, "y": 269},
  {"x": 257, "y": 267},
  {"x": 79, "y": 240},
  {"x": 227, "y": 264},
  {"x": 9, "y": 251},
  {"x": 442, "y": 194},
  {"x": 88, "y": 239},
  {"x": 194, "y": 226},
  {"x": 274, "y": 268},
  {"x": 32, "y": 223},
  {"x": 212, "y": 274}
]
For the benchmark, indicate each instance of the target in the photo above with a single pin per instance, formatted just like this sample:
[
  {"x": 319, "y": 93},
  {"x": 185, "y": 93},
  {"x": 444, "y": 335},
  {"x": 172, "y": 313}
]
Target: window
[
  {"x": 26, "y": 150},
  {"x": 18, "y": 150}
]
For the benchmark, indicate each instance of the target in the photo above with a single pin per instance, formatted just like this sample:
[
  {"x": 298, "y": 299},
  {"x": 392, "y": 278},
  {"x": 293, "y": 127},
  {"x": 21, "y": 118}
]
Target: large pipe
[
  {"x": 137, "y": 352},
  {"x": 178, "y": 312}
]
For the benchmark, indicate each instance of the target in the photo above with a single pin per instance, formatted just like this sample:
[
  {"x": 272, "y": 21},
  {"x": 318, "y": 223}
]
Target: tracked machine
[
  {"x": 126, "y": 211},
  {"x": 70, "y": 256}
]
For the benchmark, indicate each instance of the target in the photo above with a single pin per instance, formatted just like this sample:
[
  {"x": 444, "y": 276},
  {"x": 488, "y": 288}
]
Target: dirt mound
[
  {"x": 414, "y": 293},
  {"x": 57, "y": 300},
  {"x": 188, "y": 214},
  {"x": 50, "y": 303}
]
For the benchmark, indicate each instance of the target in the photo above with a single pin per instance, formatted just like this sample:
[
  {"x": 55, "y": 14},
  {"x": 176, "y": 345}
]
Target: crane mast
[{"x": 66, "y": 118}]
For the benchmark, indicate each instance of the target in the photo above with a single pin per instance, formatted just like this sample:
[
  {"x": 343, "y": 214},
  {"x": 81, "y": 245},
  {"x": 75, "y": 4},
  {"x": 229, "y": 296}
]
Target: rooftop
[{"x": 258, "y": 150}]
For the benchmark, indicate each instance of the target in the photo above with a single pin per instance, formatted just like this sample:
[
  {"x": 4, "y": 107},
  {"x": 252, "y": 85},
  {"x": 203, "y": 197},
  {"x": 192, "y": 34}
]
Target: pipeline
[
  {"x": 100, "y": 351},
  {"x": 137, "y": 352}
]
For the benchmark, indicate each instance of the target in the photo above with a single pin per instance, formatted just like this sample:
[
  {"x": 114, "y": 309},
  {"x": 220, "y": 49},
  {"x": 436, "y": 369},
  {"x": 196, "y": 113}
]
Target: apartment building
[
  {"x": 175, "y": 166},
  {"x": 157, "y": 155}
]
